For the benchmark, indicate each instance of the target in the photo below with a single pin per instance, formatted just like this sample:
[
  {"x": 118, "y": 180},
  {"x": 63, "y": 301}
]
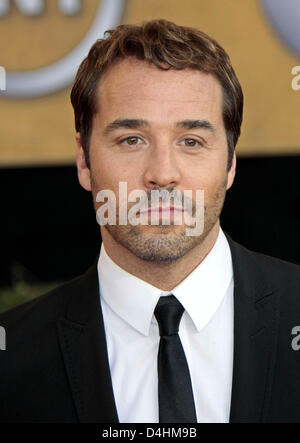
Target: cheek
[
  {"x": 204, "y": 177},
  {"x": 109, "y": 175},
  {"x": 104, "y": 168}
]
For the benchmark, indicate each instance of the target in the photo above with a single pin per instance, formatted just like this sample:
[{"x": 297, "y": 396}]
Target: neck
[{"x": 161, "y": 275}]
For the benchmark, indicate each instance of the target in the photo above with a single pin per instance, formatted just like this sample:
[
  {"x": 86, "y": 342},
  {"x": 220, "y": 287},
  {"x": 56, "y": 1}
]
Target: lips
[{"x": 162, "y": 210}]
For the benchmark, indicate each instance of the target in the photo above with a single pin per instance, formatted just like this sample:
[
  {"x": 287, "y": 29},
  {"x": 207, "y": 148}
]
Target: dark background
[{"x": 49, "y": 230}]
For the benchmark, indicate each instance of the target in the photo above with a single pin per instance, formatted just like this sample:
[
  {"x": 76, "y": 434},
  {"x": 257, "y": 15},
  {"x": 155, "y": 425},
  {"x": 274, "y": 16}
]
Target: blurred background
[{"x": 48, "y": 229}]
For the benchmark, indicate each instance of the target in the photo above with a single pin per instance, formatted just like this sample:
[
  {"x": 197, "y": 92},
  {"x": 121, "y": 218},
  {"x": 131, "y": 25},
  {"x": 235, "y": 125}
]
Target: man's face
[{"x": 158, "y": 129}]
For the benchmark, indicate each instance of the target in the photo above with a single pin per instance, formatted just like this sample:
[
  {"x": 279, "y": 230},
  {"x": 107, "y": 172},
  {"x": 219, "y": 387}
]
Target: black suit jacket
[{"x": 56, "y": 369}]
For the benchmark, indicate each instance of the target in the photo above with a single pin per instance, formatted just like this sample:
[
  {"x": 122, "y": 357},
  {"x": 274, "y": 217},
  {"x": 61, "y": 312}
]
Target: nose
[{"x": 161, "y": 169}]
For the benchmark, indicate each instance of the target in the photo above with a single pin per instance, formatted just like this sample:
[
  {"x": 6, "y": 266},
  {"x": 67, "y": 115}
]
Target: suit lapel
[
  {"x": 83, "y": 345},
  {"x": 255, "y": 337}
]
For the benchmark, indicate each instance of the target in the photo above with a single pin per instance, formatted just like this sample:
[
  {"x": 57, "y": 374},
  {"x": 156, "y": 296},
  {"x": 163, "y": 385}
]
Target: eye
[
  {"x": 190, "y": 143},
  {"x": 131, "y": 141}
]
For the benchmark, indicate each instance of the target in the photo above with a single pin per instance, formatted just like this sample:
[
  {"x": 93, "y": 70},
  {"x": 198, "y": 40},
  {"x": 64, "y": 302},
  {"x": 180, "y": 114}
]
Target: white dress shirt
[{"x": 205, "y": 330}]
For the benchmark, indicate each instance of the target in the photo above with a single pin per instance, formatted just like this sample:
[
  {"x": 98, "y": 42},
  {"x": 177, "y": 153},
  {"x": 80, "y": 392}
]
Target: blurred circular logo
[
  {"x": 50, "y": 39},
  {"x": 284, "y": 15}
]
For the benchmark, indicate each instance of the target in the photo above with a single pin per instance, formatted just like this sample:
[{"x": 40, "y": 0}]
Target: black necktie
[{"x": 175, "y": 395}]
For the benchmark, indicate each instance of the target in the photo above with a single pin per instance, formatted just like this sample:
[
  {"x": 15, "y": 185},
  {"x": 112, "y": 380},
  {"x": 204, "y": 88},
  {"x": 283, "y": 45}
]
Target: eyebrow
[
  {"x": 127, "y": 123},
  {"x": 141, "y": 123},
  {"x": 196, "y": 124}
]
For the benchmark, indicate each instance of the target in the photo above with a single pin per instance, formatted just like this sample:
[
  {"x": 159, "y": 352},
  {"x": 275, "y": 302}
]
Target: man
[{"x": 167, "y": 326}]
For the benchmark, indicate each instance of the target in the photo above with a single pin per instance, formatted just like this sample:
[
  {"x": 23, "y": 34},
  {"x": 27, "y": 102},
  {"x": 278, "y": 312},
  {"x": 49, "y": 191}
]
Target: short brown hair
[{"x": 167, "y": 46}]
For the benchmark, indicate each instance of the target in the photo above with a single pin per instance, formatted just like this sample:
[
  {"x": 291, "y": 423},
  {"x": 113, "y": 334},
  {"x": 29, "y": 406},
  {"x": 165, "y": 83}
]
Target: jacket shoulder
[{"x": 276, "y": 272}]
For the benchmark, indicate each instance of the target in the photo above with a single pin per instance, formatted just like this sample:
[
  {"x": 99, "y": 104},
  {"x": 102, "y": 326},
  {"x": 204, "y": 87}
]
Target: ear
[
  {"x": 231, "y": 172},
  {"x": 83, "y": 172}
]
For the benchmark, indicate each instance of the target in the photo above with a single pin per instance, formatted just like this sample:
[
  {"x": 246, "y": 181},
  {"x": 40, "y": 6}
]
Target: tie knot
[{"x": 168, "y": 313}]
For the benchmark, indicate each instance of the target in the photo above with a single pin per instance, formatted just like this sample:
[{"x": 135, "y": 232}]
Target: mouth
[
  {"x": 167, "y": 215},
  {"x": 172, "y": 210}
]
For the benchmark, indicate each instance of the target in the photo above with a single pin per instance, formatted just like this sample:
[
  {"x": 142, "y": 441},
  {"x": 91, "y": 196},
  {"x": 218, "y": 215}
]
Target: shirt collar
[
  {"x": 204, "y": 289},
  {"x": 200, "y": 293}
]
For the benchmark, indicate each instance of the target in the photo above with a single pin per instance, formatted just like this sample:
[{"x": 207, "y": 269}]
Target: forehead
[{"x": 134, "y": 88}]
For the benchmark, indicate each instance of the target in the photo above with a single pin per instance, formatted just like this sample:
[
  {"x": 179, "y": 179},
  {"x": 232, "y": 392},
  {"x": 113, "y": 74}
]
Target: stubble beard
[{"x": 166, "y": 244}]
